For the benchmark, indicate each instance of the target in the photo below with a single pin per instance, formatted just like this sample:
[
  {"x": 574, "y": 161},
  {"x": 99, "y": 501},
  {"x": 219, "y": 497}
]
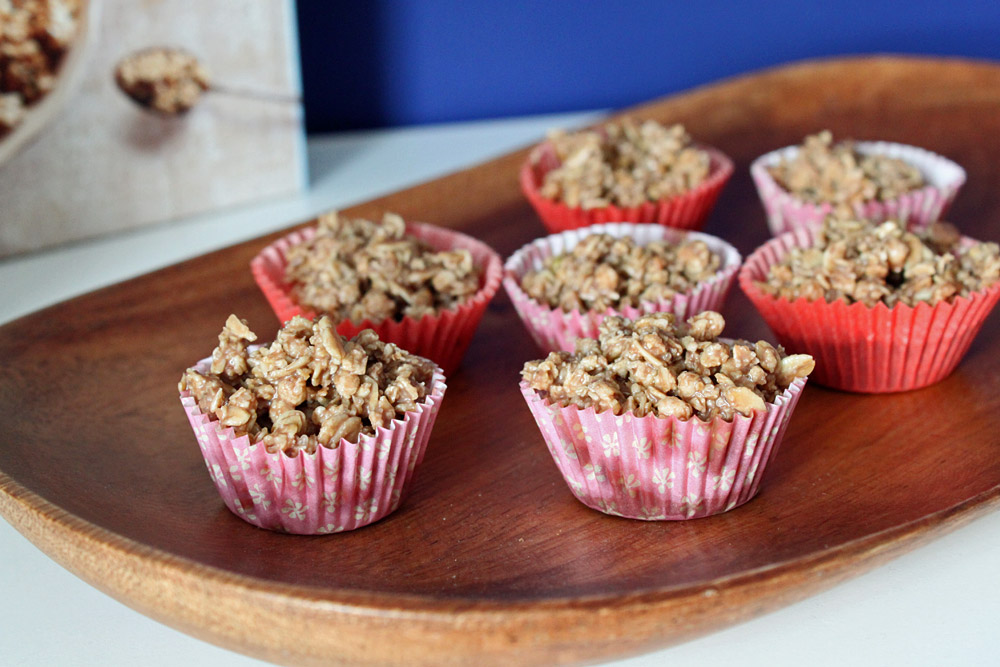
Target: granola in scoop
[
  {"x": 356, "y": 269},
  {"x": 655, "y": 365},
  {"x": 624, "y": 163},
  {"x": 308, "y": 388},
  {"x": 602, "y": 272},
  {"x": 169, "y": 81},
  {"x": 824, "y": 172},
  {"x": 860, "y": 261}
]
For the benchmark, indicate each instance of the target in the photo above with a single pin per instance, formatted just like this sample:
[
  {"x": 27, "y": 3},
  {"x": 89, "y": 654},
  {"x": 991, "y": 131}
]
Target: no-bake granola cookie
[
  {"x": 309, "y": 387},
  {"x": 624, "y": 163},
  {"x": 357, "y": 269},
  {"x": 858, "y": 261},
  {"x": 604, "y": 272},
  {"x": 657, "y": 366},
  {"x": 825, "y": 172}
]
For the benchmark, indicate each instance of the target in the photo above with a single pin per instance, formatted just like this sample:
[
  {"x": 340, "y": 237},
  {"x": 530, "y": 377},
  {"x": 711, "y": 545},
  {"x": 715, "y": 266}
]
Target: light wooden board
[{"x": 102, "y": 165}]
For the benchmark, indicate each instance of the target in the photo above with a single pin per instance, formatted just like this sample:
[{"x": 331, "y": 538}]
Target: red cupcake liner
[
  {"x": 863, "y": 349},
  {"x": 330, "y": 491},
  {"x": 555, "y": 329},
  {"x": 689, "y": 210},
  {"x": 661, "y": 468},
  {"x": 441, "y": 337},
  {"x": 916, "y": 209}
]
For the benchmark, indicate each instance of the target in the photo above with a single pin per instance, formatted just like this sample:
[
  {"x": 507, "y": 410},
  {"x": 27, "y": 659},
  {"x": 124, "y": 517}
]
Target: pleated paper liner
[
  {"x": 863, "y": 349},
  {"x": 555, "y": 329},
  {"x": 330, "y": 491},
  {"x": 918, "y": 208},
  {"x": 689, "y": 210},
  {"x": 442, "y": 337},
  {"x": 659, "y": 468}
]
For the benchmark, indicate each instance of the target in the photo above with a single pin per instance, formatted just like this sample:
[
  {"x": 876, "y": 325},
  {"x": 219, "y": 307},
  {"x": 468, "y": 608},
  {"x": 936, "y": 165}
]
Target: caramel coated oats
[
  {"x": 624, "y": 163},
  {"x": 853, "y": 260},
  {"x": 357, "y": 269},
  {"x": 657, "y": 366},
  {"x": 824, "y": 172},
  {"x": 603, "y": 272},
  {"x": 34, "y": 37},
  {"x": 169, "y": 81},
  {"x": 309, "y": 387}
]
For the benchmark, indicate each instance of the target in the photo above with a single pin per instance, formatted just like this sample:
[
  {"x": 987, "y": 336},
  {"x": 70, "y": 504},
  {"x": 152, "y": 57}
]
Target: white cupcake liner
[
  {"x": 555, "y": 329},
  {"x": 917, "y": 209}
]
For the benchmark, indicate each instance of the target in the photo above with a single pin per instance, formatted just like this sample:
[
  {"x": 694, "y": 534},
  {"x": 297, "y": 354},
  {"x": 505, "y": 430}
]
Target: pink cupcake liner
[
  {"x": 442, "y": 337},
  {"x": 555, "y": 329},
  {"x": 660, "y": 468},
  {"x": 862, "y": 349},
  {"x": 689, "y": 210},
  {"x": 329, "y": 491},
  {"x": 917, "y": 209}
]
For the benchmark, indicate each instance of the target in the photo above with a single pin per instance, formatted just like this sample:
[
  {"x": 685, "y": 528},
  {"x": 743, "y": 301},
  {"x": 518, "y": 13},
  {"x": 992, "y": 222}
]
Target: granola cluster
[
  {"x": 168, "y": 81},
  {"x": 824, "y": 172},
  {"x": 603, "y": 272},
  {"x": 657, "y": 366},
  {"x": 34, "y": 37},
  {"x": 858, "y": 261},
  {"x": 358, "y": 269},
  {"x": 309, "y": 387},
  {"x": 624, "y": 163}
]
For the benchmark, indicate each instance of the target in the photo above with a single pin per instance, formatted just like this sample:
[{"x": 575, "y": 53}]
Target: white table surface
[{"x": 938, "y": 605}]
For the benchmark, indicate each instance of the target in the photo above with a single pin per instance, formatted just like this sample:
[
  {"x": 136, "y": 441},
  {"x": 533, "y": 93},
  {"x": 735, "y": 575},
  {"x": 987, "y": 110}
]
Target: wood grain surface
[{"x": 490, "y": 559}]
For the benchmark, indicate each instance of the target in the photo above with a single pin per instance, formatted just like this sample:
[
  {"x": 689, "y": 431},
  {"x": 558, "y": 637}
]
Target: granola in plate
[{"x": 34, "y": 37}]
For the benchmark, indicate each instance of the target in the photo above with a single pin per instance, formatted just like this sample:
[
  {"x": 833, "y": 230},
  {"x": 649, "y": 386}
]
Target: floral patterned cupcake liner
[
  {"x": 659, "y": 468},
  {"x": 689, "y": 210},
  {"x": 917, "y": 209},
  {"x": 442, "y": 337},
  {"x": 555, "y": 329},
  {"x": 330, "y": 491},
  {"x": 867, "y": 349}
]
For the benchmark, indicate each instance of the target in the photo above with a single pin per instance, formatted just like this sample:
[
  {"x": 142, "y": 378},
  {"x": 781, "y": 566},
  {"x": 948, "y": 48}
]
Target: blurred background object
[
  {"x": 43, "y": 51},
  {"x": 101, "y": 164}
]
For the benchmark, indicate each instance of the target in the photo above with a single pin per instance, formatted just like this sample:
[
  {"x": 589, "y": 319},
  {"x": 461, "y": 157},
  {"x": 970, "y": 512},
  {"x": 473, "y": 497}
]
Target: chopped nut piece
[
  {"x": 858, "y": 261},
  {"x": 795, "y": 366},
  {"x": 169, "y": 81},
  {"x": 824, "y": 172},
  {"x": 360, "y": 270},
  {"x": 294, "y": 395},
  {"x": 655, "y": 366},
  {"x": 743, "y": 400},
  {"x": 603, "y": 272},
  {"x": 624, "y": 163}
]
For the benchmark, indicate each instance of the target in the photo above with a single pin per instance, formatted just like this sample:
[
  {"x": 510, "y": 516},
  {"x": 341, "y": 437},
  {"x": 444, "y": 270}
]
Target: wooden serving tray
[{"x": 491, "y": 559}]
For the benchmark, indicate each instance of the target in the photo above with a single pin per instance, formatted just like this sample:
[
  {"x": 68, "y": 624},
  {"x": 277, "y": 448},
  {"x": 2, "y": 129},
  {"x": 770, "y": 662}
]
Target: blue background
[{"x": 382, "y": 63}]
